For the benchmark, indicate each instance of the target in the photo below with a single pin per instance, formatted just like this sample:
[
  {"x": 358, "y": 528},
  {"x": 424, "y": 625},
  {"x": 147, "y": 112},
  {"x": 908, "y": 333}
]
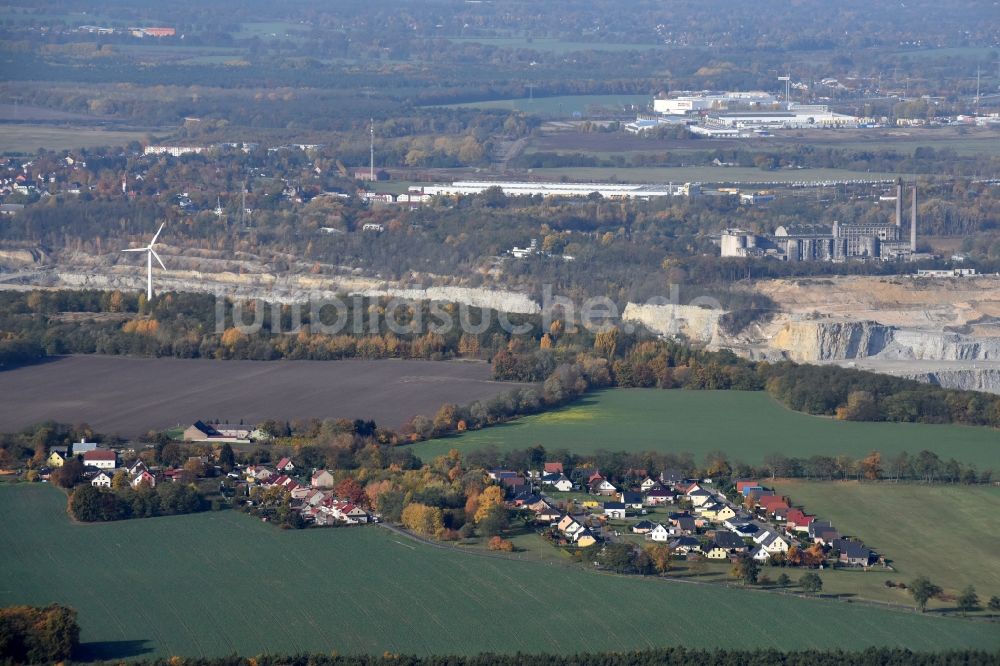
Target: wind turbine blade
[
  {"x": 135, "y": 249},
  {"x": 157, "y": 234},
  {"x": 160, "y": 261}
]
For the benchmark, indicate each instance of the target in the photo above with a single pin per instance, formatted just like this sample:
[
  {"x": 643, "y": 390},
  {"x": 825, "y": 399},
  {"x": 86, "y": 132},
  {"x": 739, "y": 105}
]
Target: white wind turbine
[{"x": 149, "y": 262}]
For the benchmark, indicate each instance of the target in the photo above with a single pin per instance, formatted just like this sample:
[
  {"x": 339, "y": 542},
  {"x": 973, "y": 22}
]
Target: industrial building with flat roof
[
  {"x": 706, "y": 100},
  {"x": 608, "y": 190}
]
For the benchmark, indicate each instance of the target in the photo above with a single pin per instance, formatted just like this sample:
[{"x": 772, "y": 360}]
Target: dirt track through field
[{"x": 130, "y": 396}]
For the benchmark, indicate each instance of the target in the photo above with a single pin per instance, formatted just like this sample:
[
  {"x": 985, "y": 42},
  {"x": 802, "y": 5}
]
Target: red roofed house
[
  {"x": 740, "y": 485},
  {"x": 101, "y": 459},
  {"x": 554, "y": 468},
  {"x": 285, "y": 465},
  {"x": 769, "y": 503},
  {"x": 144, "y": 477},
  {"x": 798, "y": 521}
]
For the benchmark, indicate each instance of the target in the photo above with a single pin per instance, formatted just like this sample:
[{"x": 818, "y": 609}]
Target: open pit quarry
[{"x": 940, "y": 330}]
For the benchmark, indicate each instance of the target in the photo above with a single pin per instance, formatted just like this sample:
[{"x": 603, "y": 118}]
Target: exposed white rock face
[
  {"x": 502, "y": 301},
  {"x": 289, "y": 290},
  {"x": 821, "y": 341},
  {"x": 700, "y": 325},
  {"x": 830, "y": 341},
  {"x": 971, "y": 379}
]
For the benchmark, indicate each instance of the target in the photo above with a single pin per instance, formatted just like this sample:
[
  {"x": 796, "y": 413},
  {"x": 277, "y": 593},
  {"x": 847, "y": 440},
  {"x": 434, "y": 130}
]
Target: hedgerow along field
[
  {"x": 950, "y": 533},
  {"x": 746, "y": 425},
  {"x": 218, "y": 583}
]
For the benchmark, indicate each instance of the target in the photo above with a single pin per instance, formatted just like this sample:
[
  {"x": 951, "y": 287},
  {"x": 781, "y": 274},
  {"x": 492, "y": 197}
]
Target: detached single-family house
[
  {"x": 58, "y": 455},
  {"x": 603, "y": 487},
  {"x": 137, "y": 467},
  {"x": 716, "y": 511},
  {"x": 143, "y": 478},
  {"x": 101, "y": 480},
  {"x": 699, "y": 496},
  {"x": 553, "y": 468},
  {"x": 286, "y": 465},
  {"x": 563, "y": 484},
  {"x": 569, "y": 526},
  {"x": 515, "y": 482},
  {"x": 671, "y": 476},
  {"x": 769, "y": 503},
  {"x": 321, "y": 478},
  {"x": 647, "y": 484},
  {"x": 798, "y": 521},
  {"x": 775, "y": 543},
  {"x": 658, "y": 495},
  {"x": 544, "y": 512},
  {"x": 643, "y": 527},
  {"x": 853, "y": 553},
  {"x": 631, "y": 500},
  {"x": 685, "y": 545},
  {"x": 614, "y": 510},
  {"x": 760, "y": 555},
  {"x": 659, "y": 534},
  {"x": 585, "y": 538},
  {"x": 557, "y": 481},
  {"x": 353, "y": 514},
  {"x": 729, "y": 541},
  {"x": 101, "y": 459}
]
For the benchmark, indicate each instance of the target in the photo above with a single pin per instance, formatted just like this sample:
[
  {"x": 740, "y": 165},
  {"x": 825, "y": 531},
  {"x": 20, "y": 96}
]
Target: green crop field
[
  {"x": 217, "y": 583},
  {"x": 949, "y": 533},
  {"x": 746, "y": 425},
  {"x": 563, "y": 105}
]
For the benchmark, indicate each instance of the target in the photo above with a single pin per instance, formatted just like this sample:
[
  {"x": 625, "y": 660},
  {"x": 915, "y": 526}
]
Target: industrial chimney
[
  {"x": 899, "y": 204},
  {"x": 913, "y": 221}
]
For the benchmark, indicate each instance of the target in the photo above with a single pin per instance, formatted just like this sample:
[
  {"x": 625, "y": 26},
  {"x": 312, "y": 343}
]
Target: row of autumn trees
[{"x": 666, "y": 656}]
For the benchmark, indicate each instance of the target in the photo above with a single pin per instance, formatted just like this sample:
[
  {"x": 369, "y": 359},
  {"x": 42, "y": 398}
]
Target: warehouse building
[{"x": 607, "y": 190}]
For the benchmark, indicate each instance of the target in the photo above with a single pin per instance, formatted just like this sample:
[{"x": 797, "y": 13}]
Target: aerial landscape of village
[{"x": 500, "y": 332}]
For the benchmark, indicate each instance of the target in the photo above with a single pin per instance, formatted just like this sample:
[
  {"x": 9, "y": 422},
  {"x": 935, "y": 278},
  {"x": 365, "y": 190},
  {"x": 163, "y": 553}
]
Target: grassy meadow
[
  {"x": 217, "y": 583},
  {"x": 949, "y": 533},
  {"x": 746, "y": 425},
  {"x": 20, "y": 138},
  {"x": 560, "y": 105},
  {"x": 553, "y": 45}
]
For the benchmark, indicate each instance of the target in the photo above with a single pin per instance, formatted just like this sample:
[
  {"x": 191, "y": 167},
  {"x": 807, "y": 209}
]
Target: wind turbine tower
[
  {"x": 150, "y": 253},
  {"x": 371, "y": 166},
  {"x": 788, "y": 82},
  {"x": 977, "y": 91}
]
